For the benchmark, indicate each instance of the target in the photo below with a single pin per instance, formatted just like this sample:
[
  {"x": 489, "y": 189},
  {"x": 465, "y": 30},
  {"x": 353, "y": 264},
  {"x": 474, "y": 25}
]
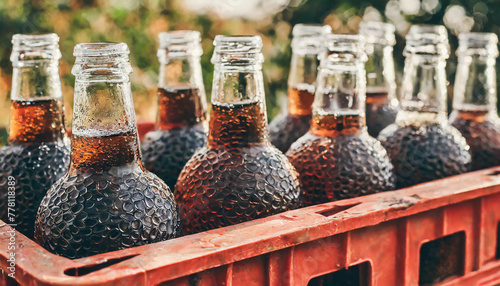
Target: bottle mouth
[
  {"x": 344, "y": 48},
  {"x": 378, "y": 32},
  {"x": 178, "y": 44},
  {"x": 308, "y": 38},
  {"x": 101, "y": 60},
  {"x": 427, "y": 40},
  {"x": 237, "y": 50},
  {"x": 31, "y": 47},
  {"x": 482, "y": 44},
  {"x": 101, "y": 50}
]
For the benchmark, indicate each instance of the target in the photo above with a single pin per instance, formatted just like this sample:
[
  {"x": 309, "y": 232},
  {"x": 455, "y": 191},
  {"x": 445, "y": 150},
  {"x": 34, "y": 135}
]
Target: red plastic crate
[{"x": 380, "y": 239}]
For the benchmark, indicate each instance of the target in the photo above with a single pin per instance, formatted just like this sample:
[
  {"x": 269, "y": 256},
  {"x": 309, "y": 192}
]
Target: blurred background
[{"x": 138, "y": 23}]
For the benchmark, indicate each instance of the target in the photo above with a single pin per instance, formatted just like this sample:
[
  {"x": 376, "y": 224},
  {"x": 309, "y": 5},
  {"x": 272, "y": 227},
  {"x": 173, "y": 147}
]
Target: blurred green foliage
[{"x": 138, "y": 23}]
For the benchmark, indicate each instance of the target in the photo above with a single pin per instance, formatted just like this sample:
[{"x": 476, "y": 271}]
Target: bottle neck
[
  {"x": 37, "y": 112},
  {"x": 301, "y": 83},
  {"x": 475, "y": 87},
  {"x": 104, "y": 128},
  {"x": 339, "y": 103},
  {"x": 238, "y": 117},
  {"x": 181, "y": 93},
  {"x": 423, "y": 89},
  {"x": 380, "y": 75}
]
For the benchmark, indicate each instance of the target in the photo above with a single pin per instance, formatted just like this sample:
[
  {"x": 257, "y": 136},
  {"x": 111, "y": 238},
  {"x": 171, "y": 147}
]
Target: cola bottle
[
  {"x": 239, "y": 175},
  {"x": 181, "y": 126},
  {"x": 107, "y": 200},
  {"x": 337, "y": 159},
  {"x": 474, "y": 98},
  {"x": 422, "y": 145},
  {"x": 381, "y": 102},
  {"x": 36, "y": 154},
  {"x": 287, "y": 127}
]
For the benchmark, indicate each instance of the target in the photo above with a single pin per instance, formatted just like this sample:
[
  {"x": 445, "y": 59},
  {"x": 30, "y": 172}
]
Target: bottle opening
[
  {"x": 102, "y": 60},
  {"x": 27, "y": 47},
  {"x": 378, "y": 32},
  {"x": 427, "y": 40},
  {"x": 481, "y": 44},
  {"x": 100, "y": 49},
  {"x": 344, "y": 48},
  {"x": 308, "y": 38},
  {"x": 180, "y": 43},
  {"x": 237, "y": 50}
]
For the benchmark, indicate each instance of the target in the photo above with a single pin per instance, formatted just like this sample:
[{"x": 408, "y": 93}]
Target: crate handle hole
[
  {"x": 86, "y": 269},
  {"x": 356, "y": 275},
  {"x": 336, "y": 209},
  {"x": 442, "y": 258},
  {"x": 494, "y": 173}
]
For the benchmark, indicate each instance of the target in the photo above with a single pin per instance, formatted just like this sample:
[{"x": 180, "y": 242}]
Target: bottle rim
[
  {"x": 475, "y": 43},
  {"x": 237, "y": 49},
  {"x": 378, "y": 32},
  {"x": 35, "y": 47},
  {"x": 430, "y": 40},
  {"x": 101, "y": 49},
  {"x": 345, "y": 48},
  {"x": 179, "y": 44},
  {"x": 308, "y": 38}
]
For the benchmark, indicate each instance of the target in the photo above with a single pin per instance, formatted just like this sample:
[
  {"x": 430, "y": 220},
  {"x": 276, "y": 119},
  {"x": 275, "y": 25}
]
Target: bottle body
[
  {"x": 337, "y": 159},
  {"x": 36, "y": 155},
  {"x": 239, "y": 175},
  {"x": 181, "y": 126},
  {"x": 421, "y": 144},
  {"x": 106, "y": 201},
  {"x": 287, "y": 127},
  {"x": 381, "y": 102},
  {"x": 474, "y": 104}
]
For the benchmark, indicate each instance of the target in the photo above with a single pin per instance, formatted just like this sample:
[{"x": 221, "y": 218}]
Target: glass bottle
[
  {"x": 286, "y": 128},
  {"x": 36, "y": 154},
  {"x": 239, "y": 175},
  {"x": 475, "y": 94},
  {"x": 381, "y": 102},
  {"x": 181, "y": 125},
  {"x": 422, "y": 145},
  {"x": 337, "y": 159},
  {"x": 107, "y": 200}
]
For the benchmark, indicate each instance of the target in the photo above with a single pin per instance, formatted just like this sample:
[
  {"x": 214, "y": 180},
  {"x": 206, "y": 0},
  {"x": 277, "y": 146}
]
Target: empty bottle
[
  {"x": 474, "y": 98},
  {"x": 381, "y": 102},
  {"x": 36, "y": 154},
  {"x": 337, "y": 159},
  {"x": 239, "y": 176},
  {"x": 422, "y": 145},
  {"x": 181, "y": 126},
  {"x": 307, "y": 44},
  {"x": 107, "y": 200}
]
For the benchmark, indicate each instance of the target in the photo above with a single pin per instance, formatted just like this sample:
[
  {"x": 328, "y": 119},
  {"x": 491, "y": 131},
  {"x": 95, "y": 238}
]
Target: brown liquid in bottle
[
  {"x": 178, "y": 107},
  {"x": 239, "y": 176},
  {"x": 337, "y": 160},
  {"x": 36, "y": 121},
  {"x": 287, "y": 128},
  {"x": 34, "y": 158},
  {"x": 98, "y": 154},
  {"x": 180, "y": 131},
  {"x": 380, "y": 113},
  {"x": 482, "y": 135}
]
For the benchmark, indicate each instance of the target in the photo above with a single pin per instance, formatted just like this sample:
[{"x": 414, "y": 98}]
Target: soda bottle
[
  {"x": 337, "y": 158},
  {"x": 474, "y": 98},
  {"x": 286, "y": 128},
  {"x": 107, "y": 200},
  {"x": 422, "y": 145},
  {"x": 239, "y": 175},
  {"x": 36, "y": 154},
  {"x": 381, "y": 102},
  {"x": 181, "y": 126}
]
